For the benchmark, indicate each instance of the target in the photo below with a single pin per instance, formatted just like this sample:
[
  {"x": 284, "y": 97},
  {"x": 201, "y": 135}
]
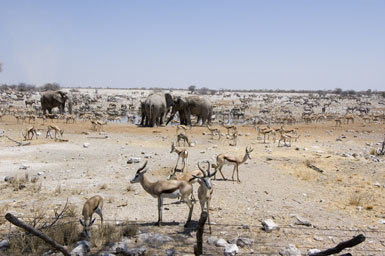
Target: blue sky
[{"x": 216, "y": 44}]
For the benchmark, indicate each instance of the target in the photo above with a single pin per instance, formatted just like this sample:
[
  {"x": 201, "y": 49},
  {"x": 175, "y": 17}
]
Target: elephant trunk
[{"x": 171, "y": 117}]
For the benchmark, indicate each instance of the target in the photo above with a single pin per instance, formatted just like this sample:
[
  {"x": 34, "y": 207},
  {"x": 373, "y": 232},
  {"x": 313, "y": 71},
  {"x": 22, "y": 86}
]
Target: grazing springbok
[
  {"x": 205, "y": 190},
  {"x": 29, "y": 131},
  {"x": 182, "y": 153},
  {"x": 91, "y": 206},
  {"x": 56, "y": 129},
  {"x": 228, "y": 159},
  {"x": 165, "y": 189}
]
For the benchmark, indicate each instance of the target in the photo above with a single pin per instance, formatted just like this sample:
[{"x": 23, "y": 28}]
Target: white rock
[
  {"x": 86, "y": 145},
  {"x": 221, "y": 242},
  {"x": 313, "y": 251},
  {"x": 291, "y": 250},
  {"x": 269, "y": 225},
  {"x": 231, "y": 249}
]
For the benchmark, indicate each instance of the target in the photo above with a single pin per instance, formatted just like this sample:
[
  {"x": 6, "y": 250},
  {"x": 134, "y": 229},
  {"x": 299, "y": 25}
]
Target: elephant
[
  {"x": 155, "y": 108},
  {"x": 51, "y": 99},
  {"x": 192, "y": 105}
]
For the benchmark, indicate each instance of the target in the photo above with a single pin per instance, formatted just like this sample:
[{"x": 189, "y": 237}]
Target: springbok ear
[
  {"x": 92, "y": 222},
  {"x": 81, "y": 222}
]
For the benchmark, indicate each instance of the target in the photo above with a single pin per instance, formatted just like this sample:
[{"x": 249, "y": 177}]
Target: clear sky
[{"x": 237, "y": 44}]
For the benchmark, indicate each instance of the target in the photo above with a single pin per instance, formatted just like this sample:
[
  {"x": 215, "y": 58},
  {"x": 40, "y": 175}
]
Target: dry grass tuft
[
  {"x": 104, "y": 186},
  {"x": 361, "y": 199}
]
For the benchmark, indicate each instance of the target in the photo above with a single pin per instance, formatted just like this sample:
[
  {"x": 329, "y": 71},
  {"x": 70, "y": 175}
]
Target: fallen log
[
  {"x": 15, "y": 221},
  {"x": 20, "y": 143},
  {"x": 341, "y": 246}
]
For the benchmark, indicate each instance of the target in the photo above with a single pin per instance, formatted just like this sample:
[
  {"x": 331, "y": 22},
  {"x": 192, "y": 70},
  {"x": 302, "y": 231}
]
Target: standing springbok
[
  {"x": 182, "y": 153},
  {"x": 91, "y": 206},
  {"x": 227, "y": 159},
  {"x": 165, "y": 189},
  {"x": 205, "y": 190}
]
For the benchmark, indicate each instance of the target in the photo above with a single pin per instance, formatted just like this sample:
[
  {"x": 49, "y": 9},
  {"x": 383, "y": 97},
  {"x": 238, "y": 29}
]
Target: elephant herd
[{"x": 156, "y": 107}]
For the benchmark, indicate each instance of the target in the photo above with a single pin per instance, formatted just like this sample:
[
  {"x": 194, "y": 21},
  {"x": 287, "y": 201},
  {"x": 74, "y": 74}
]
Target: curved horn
[
  {"x": 141, "y": 168},
  {"x": 208, "y": 168},
  {"x": 203, "y": 171}
]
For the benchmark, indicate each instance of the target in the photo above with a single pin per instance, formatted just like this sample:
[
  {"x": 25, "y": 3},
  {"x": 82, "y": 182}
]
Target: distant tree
[
  {"x": 204, "y": 91},
  {"x": 51, "y": 87},
  {"x": 338, "y": 91},
  {"x": 192, "y": 88}
]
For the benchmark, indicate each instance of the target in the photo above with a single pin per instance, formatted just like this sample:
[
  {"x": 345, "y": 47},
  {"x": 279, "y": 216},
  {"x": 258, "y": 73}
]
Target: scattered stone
[
  {"x": 212, "y": 239},
  {"x": 86, "y": 145},
  {"x": 141, "y": 251},
  {"x": 378, "y": 185},
  {"x": 204, "y": 133},
  {"x": 23, "y": 167},
  {"x": 171, "y": 252},
  {"x": 133, "y": 160},
  {"x": 301, "y": 221},
  {"x": 221, "y": 242},
  {"x": 313, "y": 251},
  {"x": 231, "y": 249},
  {"x": 40, "y": 173},
  {"x": 381, "y": 221},
  {"x": 154, "y": 239},
  {"x": 81, "y": 248},
  {"x": 4, "y": 244},
  {"x": 291, "y": 250},
  {"x": 202, "y": 151},
  {"x": 269, "y": 225},
  {"x": 318, "y": 238},
  {"x": 244, "y": 241}
]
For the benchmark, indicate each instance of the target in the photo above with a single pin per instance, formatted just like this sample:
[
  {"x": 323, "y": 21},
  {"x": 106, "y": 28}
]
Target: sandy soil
[{"x": 346, "y": 199}]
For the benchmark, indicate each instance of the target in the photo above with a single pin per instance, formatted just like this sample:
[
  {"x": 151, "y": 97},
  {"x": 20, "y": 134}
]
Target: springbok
[
  {"x": 165, "y": 189},
  {"x": 91, "y": 206},
  {"x": 205, "y": 190},
  {"x": 228, "y": 159},
  {"x": 182, "y": 153}
]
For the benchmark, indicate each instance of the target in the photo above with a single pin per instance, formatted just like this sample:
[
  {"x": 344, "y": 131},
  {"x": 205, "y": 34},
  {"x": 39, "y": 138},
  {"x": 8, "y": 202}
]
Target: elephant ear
[
  {"x": 169, "y": 101},
  {"x": 58, "y": 97}
]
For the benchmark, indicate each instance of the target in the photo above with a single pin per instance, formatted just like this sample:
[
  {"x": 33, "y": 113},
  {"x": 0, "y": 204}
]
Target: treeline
[{"x": 23, "y": 87}]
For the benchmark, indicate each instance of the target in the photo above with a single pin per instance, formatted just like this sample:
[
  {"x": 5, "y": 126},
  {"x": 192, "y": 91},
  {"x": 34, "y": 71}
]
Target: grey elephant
[
  {"x": 155, "y": 109},
  {"x": 51, "y": 99},
  {"x": 192, "y": 105}
]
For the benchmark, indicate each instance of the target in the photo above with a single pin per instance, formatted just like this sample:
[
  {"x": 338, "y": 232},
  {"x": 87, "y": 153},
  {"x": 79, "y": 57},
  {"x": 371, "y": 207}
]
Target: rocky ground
[{"x": 346, "y": 199}]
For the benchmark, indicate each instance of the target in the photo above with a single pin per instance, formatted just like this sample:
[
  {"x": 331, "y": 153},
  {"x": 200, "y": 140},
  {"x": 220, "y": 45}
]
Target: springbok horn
[{"x": 141, "y": 168}]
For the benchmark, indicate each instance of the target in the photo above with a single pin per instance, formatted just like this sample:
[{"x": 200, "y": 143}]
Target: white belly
[{"x": 174, "y": 194}]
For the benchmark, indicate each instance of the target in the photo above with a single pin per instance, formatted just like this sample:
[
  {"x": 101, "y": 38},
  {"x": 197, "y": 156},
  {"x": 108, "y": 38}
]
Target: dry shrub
[
  {"x": 361, "y": 199},
  {"x": 64, "y": 231},
  {"x": 58, "y": 190},
  {"x": 106, "y": 235},
  {"x": 104, "y": 186}
]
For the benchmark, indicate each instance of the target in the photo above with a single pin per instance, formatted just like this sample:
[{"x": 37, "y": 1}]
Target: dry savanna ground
[{"x": 276, "y": 183}]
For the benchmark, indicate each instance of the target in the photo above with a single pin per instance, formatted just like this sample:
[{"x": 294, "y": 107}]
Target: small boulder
[
  {"x": 133, "y": 160},
  {"x": 269, "y": 225},
  {"x": 231, "y": 249},
  {"x": 86, "y": 145},
  {"x": 221, "y": 242},
  {"x": 291, "y": 250}
]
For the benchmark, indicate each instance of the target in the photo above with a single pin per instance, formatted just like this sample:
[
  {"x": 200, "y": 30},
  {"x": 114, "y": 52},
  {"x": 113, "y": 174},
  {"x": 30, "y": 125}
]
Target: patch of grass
[
  {"x": 58, "y": 190},
  {"x": 106, "y": 235},
  {"x": 360, "y": 199}
]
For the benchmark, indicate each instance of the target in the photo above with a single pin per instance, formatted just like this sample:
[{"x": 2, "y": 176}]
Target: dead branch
[
  {"x": 198, "y": 250},
  {"x": 18, "y": 142},
  {"x": 15, "y": 221},
  {"x": 57, "y": 217},
  {"x": 341, "y": 246}
]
